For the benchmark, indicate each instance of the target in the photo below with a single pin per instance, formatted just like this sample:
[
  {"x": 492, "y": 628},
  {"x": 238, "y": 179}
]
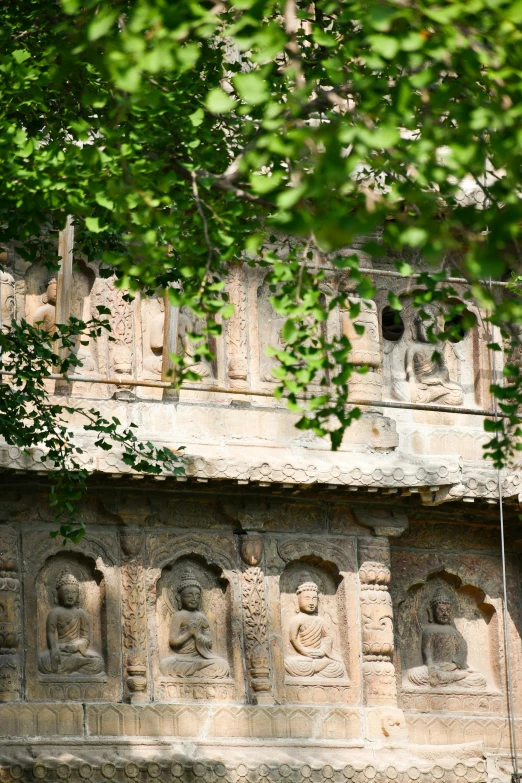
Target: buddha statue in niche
[
  {"x": 68, "y": 634},
  {"x": 428, "y": 376},
  {"x": 45, "y": 315},
  {"x": 191, "y": 638},
  {"x": 310, "y": 638},
  {"x": 444, "y": 651}
]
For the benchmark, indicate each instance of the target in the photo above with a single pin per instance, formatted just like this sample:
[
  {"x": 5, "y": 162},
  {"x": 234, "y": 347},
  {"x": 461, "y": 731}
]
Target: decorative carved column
[
  {"x": 236, "y": 329},
  {"x": 367, "y": 351},
  {"x": 255, "y": 620},
  {"x": 10, "y": 618},
  {"x": 376, "y": 622},
  {"x": 134, "y": 616}
]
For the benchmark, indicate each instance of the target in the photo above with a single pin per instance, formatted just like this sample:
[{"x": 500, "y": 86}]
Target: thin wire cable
[{"x": 516, "y": 775}]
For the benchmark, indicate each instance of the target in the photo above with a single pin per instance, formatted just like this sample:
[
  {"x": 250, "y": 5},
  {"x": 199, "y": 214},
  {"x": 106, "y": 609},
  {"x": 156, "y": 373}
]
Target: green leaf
[
  {"x": 102, "y": 22},
  {"x": 251, "y": 87},
  {"x": 218, "y": 102},
  {"x": 394, "y": 301},
  {"x": 384, "y": 45},
  {"x": 20, "y": 55},
  {"x": 93, "y": 224},
  {"x": 197, "y": 117}
]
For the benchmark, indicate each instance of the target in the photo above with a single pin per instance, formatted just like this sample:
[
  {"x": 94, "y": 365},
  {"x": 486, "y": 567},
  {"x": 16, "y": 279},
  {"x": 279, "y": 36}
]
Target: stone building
[{"x": 281, "y": 612}]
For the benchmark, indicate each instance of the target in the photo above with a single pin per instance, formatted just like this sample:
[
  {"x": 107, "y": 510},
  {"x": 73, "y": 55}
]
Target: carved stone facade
[{"x": 280, "y": 612}]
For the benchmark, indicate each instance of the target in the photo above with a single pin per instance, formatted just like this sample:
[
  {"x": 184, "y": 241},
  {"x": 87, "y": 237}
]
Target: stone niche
[
  {"x": 73, "y": 640},
  {"x": 314, "y": 625},
  {"x": 449, "y": 647},
  {"x": 195, "y": 653}
]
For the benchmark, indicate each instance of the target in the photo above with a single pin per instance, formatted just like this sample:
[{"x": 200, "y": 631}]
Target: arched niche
[
  {"x": 321, "y": 630},
  {"x": 214, "y": 606},
  {"x": 475, "y": 619},
  {"x": 331, "y": 565},
  {"x": 87, "y": 631},
  {"x": 207, "y": 665}
]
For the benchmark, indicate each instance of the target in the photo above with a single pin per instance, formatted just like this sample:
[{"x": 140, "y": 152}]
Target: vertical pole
[
  {"x": 170, "y": 345},
  {"x": 64, "y": 281}
]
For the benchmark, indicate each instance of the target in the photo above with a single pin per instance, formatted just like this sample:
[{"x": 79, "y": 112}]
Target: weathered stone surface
[{"x": 249, "y": 622}]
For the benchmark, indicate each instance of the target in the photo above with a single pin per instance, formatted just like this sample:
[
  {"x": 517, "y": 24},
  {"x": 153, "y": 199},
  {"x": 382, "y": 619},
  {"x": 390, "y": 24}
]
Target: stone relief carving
[
  {"x": 7, "y": 298},
  {"x": 153, "y": 326},
  {"x": 366, "y": 350},
  {"x": 10, "y": 618},
  {"x": 68, "y": 634},
  {"x": 423, "y": 372},
  {"x": 44, "y": 314},
  {"x": 188, "y": 325},
  {"x": 73, "y": 598},
  {"x": 191, "y": 637},
  {"x": 444, "y": 650},
  {"x": 83, "y": 279},
  {"x": 193, "y": 617},
  {"x": 255, "y": 620},
  {"x": 134, "y": 615},
  {"x": 236, "y": 329},
  {"x": 376, "y": 621},
  {"x": 428, "y": 376},
  {"x": 311, "y": 639},
  {"x": 311, "y": 628}
]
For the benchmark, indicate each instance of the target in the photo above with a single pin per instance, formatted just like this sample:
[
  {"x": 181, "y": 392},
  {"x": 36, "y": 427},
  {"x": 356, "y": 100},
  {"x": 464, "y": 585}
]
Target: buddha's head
[
  {"x": 442, "y": 608},
  {"x": 189, "y": 592},
  {"x": 308, "y": 597},
  {"x": 51, "y": 291},
  {"x": 67, "y": 589}
]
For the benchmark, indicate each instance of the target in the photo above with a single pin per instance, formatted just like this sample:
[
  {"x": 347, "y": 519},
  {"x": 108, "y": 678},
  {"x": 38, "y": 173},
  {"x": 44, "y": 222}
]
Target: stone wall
[{"x": 215, "y": 637}]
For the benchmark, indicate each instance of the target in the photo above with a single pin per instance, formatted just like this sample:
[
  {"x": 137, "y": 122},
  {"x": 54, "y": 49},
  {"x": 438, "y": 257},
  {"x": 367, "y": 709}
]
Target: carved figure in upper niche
[
  {"x": 428, "y": 376},
  {"x": 154, "y": 362},
  {"x": 444, "y": 651},
  {"x": 45, "y": 315},
  {"x": 188, "y": 347},
  {"x": 68, "y": 634},
  {"x": 311, "y": 639},
  {"x": 191, "y": 638}
]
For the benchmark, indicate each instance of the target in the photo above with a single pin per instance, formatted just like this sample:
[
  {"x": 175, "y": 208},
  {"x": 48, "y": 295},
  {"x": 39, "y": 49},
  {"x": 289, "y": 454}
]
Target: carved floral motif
[
  {"x": 255, "y": 619},
  {"x": 134, "y": 615}
]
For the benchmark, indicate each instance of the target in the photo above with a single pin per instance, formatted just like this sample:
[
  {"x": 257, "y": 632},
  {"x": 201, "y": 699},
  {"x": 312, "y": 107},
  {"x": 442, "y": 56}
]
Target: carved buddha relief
[
  {"x": 417, "y": 370},
  {"x": 311, "y": 638},
  {"x": 69, "y": 621},
  {"x": 445, "y": 640},
  {"x": 311, "y": 632},
  {"x": 193, "y": 623},
  {"x": 191, "y": 637},
  {"x": 68, "y": 633},
  {"x": 444, "y": 650},
  {"x": 40, "y": 298}
]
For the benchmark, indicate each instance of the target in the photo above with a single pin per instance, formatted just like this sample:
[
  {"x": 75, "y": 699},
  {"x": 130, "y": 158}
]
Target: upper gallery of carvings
[
  {"x": 229, "y": 421},
  {"x": 144, "y": 331}
]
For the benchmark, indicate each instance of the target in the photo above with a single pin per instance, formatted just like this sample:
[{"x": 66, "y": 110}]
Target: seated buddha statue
[
  {"x": 68, "y": 634},
  {"x": 311, "y": 640},
  {"x": 191, "y": 638},
  {"x": 444, "y": 652},
  {"x": 427, "y": 375}
]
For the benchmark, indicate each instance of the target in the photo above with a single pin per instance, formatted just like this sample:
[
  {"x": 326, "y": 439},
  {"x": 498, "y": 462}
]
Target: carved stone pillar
[
  {"x": 255, "y": 620},
  {"x": 10, "y": 618},
  {"x": 367, "y": 351},
  {"x": 134, "y": 616},
  {"x": 376, "y": 622},
  {"x": 236, "y": 329}
]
